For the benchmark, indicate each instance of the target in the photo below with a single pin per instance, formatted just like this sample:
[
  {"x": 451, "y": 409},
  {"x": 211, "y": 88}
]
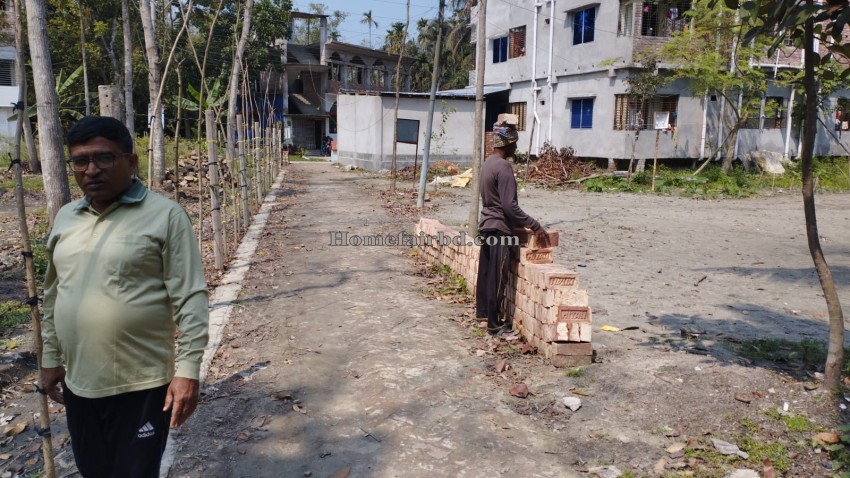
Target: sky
[{"x": 385, "y": 12}]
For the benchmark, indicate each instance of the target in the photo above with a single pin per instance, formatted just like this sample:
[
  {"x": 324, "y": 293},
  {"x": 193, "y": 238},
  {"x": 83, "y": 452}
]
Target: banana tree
[{"x": 69, "y": 103}]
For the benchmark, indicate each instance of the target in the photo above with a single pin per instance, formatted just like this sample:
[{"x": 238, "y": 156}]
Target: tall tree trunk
[
  {"x": 156, "y": 158},
  {"x": 478, "y": 119},
  {"x": 87, "y": 96},
  {"x": 109, "y": 47},
  {"x": 32, "y": 288},
  {"x": 50, "y": 135},
  {"x": 21, "y": 78},
  {"x": 233, "y": 94},
  {"x": 835, "y": 352},
  {"x": 129, "y": 110},
  {"x": 398, "y": 78}
]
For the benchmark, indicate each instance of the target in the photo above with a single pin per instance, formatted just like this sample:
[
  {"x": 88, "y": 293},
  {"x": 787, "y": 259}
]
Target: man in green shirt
[{"x": 124, "y": 275}]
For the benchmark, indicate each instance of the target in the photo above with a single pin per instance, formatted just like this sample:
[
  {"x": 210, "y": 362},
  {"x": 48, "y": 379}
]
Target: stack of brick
[{"x": 543, "y": 299}]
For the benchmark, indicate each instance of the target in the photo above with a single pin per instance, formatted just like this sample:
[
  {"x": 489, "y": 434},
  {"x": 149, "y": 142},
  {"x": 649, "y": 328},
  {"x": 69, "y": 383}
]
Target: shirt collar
[{"x": 134, "y": 194}]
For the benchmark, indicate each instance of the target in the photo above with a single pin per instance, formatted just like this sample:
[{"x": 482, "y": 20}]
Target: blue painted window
[
  {"x": 582, "y": 113},
  {"x": 500, "y": 49},
  {"x": 584, "y": 23}
]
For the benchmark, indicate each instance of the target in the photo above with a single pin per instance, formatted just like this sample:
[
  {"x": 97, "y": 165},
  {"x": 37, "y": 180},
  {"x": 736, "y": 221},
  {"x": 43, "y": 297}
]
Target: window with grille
[
  {"x": 772, "y": 116},
  {"x": 376, "y": 78},
  {"x": 842, "y": 115},
  {"x": 334, "y": 72},
  {"x": 584, "y": 23},
  {"x": 581, "y": 113},
  {"x": 516, "y": 40},
  {"x": 630, "y": 114},
  {"x": 661, "y": 19},
  {"x": 500, "y": 49},
  {"x": 518, "y": 109},
  {"x": 775, "y": 113},
  {"x": 7, "y": 72},
  {"x": 626, "y": 20}
]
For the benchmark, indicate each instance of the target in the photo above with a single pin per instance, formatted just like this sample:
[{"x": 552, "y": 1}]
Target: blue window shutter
[
  {"x": 577, "y": 27},
  {"x": 587, "y": 113},
  {"x": 589, "y": 25},
  {"x": 576, "y": 114}
]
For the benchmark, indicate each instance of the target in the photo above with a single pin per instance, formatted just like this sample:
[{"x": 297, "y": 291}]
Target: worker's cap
[{"x": 505, "y": 130}]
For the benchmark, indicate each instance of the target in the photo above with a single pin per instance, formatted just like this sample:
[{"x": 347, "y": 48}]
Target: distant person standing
[
  {"x": 501, "y": 216},
  {"x": 124, "y": 274}
]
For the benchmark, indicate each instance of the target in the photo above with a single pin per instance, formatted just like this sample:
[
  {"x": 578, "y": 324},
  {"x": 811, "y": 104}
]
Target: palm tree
[
  {"x": 395, "y": 37},
  {"x": 368, "y": 20}
]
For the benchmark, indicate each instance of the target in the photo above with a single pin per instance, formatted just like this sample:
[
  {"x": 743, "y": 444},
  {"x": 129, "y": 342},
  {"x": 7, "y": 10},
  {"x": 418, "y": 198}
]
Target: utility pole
[
  {"x": 429, "y": 128},
  {"x": 477, "y": 124}
]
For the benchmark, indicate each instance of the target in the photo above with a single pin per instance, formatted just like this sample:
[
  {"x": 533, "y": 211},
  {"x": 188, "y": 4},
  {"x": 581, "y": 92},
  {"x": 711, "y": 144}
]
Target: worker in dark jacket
[{"x": 500, "y": 217}]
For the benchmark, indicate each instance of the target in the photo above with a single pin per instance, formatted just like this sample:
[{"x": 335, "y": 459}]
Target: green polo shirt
[{"x": 118, "y": 286}]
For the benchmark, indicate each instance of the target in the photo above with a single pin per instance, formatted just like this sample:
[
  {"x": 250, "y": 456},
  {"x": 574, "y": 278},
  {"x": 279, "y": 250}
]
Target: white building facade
[{"x": 565, "y": 65}]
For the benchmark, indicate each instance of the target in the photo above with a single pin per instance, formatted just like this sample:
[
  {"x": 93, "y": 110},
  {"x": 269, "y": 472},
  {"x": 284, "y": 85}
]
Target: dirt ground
[{"x": 340, "y": 361}]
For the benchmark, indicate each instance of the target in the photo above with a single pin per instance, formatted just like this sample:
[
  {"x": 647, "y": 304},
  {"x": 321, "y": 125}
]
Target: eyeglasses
[{"x": 101, "y": 160}]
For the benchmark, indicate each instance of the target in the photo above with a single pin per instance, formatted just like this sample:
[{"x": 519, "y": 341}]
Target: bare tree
[
  {"x": 232, "y": 102},
  {"x": 156, "y": 158},
  {"x": 87, "y": 97},
  {"x": 21, "y": 78},
  {"x": 129, "y": 110},
  {"x": 835, "y": 352},
  {"x": 47, "y": 105}
]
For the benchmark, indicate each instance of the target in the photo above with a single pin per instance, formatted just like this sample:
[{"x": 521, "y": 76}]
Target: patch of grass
[
  {"x": 749, "y": 425},
  {"x": 793, "y": 422},
  {"x": 799, "y": 423},
  {"x": 711, "y": 457},
  {"x": 453, "y": 284},
  {"x": 776, "y": 452},
  {"x": 574, "y": 373},
  {"x": 808, "y": 353},
  {"x": 31, "y": 183},
  {"x": 13, "y": 313},
  {"x": 831, "y": 172},
  {"x": 297, "y": 158}
]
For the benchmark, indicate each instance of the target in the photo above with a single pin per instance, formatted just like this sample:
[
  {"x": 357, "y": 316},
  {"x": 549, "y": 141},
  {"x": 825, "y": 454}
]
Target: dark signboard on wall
[{"x": 408, "y": 131}]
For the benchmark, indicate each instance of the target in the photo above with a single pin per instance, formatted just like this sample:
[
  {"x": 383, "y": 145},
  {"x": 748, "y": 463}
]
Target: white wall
[{"x": 365, "y": 130}]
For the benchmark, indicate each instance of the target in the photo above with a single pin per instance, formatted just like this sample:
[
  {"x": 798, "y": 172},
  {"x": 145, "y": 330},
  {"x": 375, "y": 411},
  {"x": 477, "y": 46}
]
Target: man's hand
[
  {"x": 50, "y": 379},
  {"x": 542, "y": 237},
  {"x": 182, "y": 398}
]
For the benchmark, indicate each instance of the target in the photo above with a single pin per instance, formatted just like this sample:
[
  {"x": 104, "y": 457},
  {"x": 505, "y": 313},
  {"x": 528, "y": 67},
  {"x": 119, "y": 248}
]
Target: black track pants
[
  {"x": 494, "y": 265},
  {"x": 119, "y": 436}
]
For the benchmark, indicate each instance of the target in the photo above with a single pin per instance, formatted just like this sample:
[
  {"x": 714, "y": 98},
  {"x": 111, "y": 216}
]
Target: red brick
[
  {"x": 528, "y": 239},
  {"x": 565, "y": 361},
  {"x": 583, "y": 348},
  {"x": 585, "y": 331},
  {"x": 554, "y": 297},
  {"x": 540, "y": 256},
  {"x": 573, "y": 313}
]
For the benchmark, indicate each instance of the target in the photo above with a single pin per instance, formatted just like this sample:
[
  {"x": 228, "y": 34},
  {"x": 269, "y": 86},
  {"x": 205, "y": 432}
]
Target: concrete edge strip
[{"x": 222, "y": 300}]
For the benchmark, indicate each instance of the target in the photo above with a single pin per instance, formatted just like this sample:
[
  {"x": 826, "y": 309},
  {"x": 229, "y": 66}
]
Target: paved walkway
[{"x": 334, "y": 364}]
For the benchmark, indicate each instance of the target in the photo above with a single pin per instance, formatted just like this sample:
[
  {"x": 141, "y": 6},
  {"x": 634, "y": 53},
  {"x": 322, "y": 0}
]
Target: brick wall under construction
[{"x": 543, "y": 299}]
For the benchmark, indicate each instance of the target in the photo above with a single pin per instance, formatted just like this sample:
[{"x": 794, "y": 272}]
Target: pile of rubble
[
  {"x": 191, "y": 168},
  {"x": 555, "y": 167}
]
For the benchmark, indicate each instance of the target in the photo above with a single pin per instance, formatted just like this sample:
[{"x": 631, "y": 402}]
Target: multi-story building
[
  {"x": 8, "y": 85},
  {"x": 304, "y": 94},
  {"x": 564, "y": 66}
]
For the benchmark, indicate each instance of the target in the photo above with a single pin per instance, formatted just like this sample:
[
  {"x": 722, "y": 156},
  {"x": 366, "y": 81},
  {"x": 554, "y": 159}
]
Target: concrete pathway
[{"x": 334, "y": 364}]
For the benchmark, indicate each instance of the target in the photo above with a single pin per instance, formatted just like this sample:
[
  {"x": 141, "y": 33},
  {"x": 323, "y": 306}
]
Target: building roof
[
  {"x": 307, "y": 15},
  {"x": 467, "y": 93},
  {"x": 470, "y": 91},
  {"x": 362, "y": 50}
]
